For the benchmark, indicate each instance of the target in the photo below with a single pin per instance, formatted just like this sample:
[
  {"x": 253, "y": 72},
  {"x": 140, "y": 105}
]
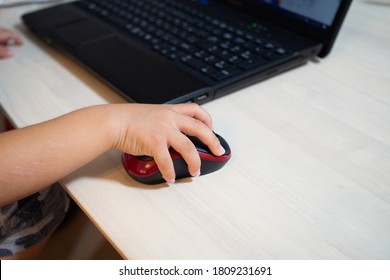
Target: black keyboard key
[
  {"x": 251, "y": 63},
  {"x": 235, "y": 59},
  {"x": 269, "y": 46},
  {"x": 221, "y": 64},
  {"x": 236, "y": 49},
  {"x": 200, "y": 54},
  {"x": 208, "y": 70},
  {"x": 246, "y": 55},
  {"x": 225, "y": 55},
  {"x": 239, "y": 41},
  {"x": 271, "y": 55},
  {"x": 280, "y": 51},
  {"x": 187, "y": 47},
  {"x": 225, "y": 73},
  {"x": 211, "y": 59}
]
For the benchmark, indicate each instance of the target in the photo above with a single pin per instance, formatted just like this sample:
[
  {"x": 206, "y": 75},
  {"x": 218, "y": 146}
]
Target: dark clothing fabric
[{"x": 27, "y": 222}]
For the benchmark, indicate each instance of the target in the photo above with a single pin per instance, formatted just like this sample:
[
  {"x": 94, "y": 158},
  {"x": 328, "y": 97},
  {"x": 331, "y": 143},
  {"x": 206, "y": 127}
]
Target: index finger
[{"x": 195, "y": 111}]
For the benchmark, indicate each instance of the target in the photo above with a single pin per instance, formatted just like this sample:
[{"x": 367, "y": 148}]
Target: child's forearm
[{"x": 38, "y": 155}]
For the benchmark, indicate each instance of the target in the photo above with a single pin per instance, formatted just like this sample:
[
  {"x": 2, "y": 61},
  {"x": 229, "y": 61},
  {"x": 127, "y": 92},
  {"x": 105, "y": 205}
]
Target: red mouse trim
[
  {"x": 143, "y": 168},
  {"x": 137, "y": 167},
  {"x": 210, "y": 157}
]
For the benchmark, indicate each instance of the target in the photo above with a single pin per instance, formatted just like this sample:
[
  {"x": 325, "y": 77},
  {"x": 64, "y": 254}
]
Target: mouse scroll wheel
[{"x": 144, "y": 158}]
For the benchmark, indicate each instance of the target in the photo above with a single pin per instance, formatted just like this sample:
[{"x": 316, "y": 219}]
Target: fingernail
[
  {"x": 171, "y": 181},
  {"x": 197, "y": 173},
  {"x": 221, "y": 150}
]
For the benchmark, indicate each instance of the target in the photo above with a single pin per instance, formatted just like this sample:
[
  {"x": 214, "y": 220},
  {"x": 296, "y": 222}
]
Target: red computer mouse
[{"x": 145, "y": 170}]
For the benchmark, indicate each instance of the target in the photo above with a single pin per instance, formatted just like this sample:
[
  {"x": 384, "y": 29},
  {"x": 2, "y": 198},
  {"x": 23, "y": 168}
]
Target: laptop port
[{"x": 201, "y": 97}]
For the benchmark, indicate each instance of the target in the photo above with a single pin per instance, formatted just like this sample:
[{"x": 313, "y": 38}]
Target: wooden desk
[{"x": 310, "y": 172}]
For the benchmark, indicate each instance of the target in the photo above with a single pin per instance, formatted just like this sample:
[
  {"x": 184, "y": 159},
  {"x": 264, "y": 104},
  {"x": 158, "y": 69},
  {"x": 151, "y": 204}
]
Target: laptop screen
[
  {"x": 319, "y": 13},
  {"x": 319, "y": 20}
]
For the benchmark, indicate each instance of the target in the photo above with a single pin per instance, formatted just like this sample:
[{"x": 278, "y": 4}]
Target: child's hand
[
  {"x": 152, "y": 129},
  {"x": 7, "y": 37}
]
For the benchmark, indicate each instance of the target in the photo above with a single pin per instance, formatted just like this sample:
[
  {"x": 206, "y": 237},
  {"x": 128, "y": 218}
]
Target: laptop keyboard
[{"x": 209, "y": 46}]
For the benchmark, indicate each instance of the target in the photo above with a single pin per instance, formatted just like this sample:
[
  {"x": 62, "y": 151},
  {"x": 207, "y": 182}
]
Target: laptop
[{"x": 170, "y": 51}]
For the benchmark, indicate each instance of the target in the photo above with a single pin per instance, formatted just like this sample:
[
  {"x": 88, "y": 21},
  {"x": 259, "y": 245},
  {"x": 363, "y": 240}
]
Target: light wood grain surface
[{"x": 310, "y": 173}]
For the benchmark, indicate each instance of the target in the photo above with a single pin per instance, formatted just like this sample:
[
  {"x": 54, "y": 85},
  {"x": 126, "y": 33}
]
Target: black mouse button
[
  {"x": 181, "y": 168},
  {"x": 199, "y": 145}
]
